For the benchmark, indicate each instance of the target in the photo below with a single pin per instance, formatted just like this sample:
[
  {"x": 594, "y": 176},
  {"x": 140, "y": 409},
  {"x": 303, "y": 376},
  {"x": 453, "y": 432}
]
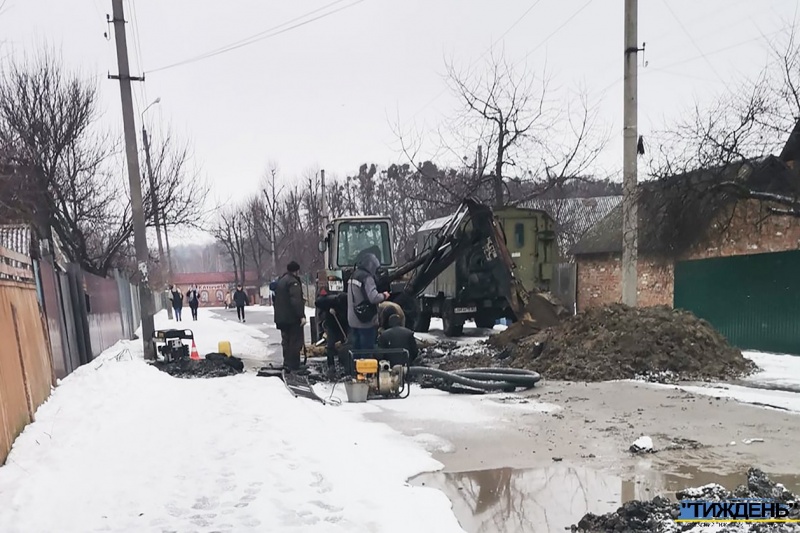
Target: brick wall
[
  {"x": 600, "y": 282},
  {"x": 746, "y": 229}
]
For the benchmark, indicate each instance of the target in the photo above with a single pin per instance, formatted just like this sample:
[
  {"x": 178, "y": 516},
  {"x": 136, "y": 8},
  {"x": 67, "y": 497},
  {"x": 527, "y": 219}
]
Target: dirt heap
[
  {"x": 658, "y": 514},
  {"x": 213, "y": 366},
  {"x": 620, "y": 342}
]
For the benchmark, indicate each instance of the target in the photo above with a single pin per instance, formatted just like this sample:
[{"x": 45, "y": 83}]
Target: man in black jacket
[
  {"x": 240, "y": 300},
  {"x": 399, "y": 337},
  {"x": 290, "y": 315}
]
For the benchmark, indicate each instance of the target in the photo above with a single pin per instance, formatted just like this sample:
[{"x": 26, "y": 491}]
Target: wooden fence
[{"x": 26, "y": 374}]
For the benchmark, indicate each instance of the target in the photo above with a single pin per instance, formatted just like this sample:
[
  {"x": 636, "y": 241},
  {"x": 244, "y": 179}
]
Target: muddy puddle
[{"x": 553, "y": 498}]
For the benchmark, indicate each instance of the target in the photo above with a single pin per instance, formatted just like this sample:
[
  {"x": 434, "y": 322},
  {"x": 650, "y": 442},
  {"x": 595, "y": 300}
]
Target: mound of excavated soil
[
  {"x": 658, "y": 515},
  {"x": 620, "y": 342},
  {"x": 213, "y": 366}
]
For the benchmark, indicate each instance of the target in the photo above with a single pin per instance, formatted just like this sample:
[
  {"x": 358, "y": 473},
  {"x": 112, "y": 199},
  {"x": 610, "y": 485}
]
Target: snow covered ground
[
  {"x": 776, "y": 385},
  {"x": 472, "y": 333},
  {"x": 121, "y": 446}
]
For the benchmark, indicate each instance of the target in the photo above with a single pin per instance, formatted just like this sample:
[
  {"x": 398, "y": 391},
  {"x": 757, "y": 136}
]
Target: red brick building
[{"x": 214, "y": 286}]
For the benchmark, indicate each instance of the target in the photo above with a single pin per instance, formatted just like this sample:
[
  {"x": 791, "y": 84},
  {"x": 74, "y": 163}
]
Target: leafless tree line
[{"x": 62, "y": 173}]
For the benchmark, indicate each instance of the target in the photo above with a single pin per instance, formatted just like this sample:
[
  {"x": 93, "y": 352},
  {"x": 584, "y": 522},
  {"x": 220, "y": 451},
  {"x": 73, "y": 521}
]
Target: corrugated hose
[{"x": 484, "y": 379}]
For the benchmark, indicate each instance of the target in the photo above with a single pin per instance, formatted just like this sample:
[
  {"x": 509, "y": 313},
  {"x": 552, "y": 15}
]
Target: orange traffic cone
[{"x": 195, "y": 354}]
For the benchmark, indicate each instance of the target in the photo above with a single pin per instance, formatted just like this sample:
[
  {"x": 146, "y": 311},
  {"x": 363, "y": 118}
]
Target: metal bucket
[{"x": 357, "y": 391}]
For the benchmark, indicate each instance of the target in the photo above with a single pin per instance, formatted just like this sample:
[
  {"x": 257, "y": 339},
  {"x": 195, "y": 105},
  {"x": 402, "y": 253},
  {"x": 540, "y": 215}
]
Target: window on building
[{"x": 519, "y": 234}]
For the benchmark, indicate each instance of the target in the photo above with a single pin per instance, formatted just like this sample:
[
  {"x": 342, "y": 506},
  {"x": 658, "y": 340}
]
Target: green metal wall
[{"x": 754, "y": 300}]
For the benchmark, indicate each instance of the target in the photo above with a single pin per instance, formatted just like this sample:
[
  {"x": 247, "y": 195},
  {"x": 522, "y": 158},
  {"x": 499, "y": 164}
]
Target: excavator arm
[{"x": 472, "y": 225}]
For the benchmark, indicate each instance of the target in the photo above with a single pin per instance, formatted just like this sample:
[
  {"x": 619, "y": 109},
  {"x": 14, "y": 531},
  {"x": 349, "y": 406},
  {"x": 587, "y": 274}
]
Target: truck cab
[{"x": 347, "y": 238}]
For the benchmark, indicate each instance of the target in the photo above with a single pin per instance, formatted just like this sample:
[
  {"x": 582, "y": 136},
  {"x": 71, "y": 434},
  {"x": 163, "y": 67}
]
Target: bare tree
[
  {"x": 180, "y": 192},
  {"x": 48, "y": 128},
  {"x": 744, "y": 124},
  {"x": 230, "y": 231},
  {"x": 529, "y": 136}
]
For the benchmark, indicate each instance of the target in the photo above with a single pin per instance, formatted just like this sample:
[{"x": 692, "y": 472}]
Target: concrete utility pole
[
  {"x": 134, "y": 176},
  {"x": 154, "y": 203},
  {"x": 629, "y": 183}
]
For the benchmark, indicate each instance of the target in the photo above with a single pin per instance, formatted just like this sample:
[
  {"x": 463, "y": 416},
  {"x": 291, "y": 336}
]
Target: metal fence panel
[
  {"x": 754, "y": 300},
  {"x": 565, "y": 285}
]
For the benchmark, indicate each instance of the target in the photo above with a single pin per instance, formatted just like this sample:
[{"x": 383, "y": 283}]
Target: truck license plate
[
  {"x": 465, "y": 310},
  {"x": 336, "y": 286}
]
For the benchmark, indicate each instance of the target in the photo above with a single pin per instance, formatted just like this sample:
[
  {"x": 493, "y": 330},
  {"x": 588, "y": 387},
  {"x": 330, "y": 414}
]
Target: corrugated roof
[
  {"x": 574, "y": 216},
  {"x": 16, "y": 237},
  {"x": 674, "y": 212}
]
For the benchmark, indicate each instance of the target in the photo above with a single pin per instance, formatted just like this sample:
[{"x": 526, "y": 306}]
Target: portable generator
[
  {"x": 384, "y": 371},
  {"x": 169, "y": 343}
]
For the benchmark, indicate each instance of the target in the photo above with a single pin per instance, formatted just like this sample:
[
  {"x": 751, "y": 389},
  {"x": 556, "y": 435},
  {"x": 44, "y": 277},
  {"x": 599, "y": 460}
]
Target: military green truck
[{"x": 467, "y": 290}]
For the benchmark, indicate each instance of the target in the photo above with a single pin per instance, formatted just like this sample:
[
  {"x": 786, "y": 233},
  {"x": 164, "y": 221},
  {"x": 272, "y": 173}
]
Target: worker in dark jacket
[
  {"x": 290, "y": 315},
  {"x": 240, "y": 299},
  {"x": 363, "y": 296},
  {"x": 399, "y": 337}
]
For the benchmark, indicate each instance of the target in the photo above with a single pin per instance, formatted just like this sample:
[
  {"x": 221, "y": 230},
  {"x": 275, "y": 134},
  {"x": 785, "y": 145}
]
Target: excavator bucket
[{"x": 527, "y": 307}]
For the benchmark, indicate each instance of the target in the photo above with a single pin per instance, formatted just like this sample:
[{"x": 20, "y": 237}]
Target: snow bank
[
  {"x": 120, "y": 446},
  {"x": 777, "y": 370}
]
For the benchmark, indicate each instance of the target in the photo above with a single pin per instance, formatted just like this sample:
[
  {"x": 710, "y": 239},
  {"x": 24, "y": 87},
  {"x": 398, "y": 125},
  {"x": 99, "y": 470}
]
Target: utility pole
[
  {"x": 156, "y": 216},
  {"x": 629, "y": 178},
  {"x": 134, "y": 176}
]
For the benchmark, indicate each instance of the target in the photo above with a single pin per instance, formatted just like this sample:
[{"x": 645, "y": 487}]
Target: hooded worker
[{"x": 362, "y": 302}]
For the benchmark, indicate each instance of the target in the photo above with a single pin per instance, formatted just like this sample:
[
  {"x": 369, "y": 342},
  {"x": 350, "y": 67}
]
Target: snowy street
[{"x": 122, "y": 446}]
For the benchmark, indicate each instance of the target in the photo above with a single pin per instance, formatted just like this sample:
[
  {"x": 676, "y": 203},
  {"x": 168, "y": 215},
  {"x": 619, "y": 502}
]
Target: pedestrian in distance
[
  {"x": 240, "y": 300},
  {"x": 362, "y": 303},
  {"x": 290, "y": 315},
  {"x": 399, "y": 337},
  {"x": 177, "y": 302},
  {"x": 193, "y": 298}
]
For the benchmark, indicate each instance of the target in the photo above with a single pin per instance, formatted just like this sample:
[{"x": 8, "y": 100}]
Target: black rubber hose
[{"x": 488, "y": 379}]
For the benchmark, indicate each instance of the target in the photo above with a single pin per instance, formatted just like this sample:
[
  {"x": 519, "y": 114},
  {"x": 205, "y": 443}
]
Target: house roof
[
  {"x": 791, "y": 150},
  {"x": 674, "y": 212},
  {"x": 574, "y": 216}
]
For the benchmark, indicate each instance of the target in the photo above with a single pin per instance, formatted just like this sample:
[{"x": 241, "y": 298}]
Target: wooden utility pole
[
  {"x": 134, "y": 177},
  {"x": 629, "y": 183}
]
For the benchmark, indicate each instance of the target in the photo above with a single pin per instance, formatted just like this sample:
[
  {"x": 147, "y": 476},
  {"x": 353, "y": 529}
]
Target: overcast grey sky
[{"x": 323, "y": 94}]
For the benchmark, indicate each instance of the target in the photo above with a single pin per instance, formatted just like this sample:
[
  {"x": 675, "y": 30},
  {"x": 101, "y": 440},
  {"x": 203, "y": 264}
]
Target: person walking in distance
[
  {"x": 240, "y": 299},
  {"x": 362, "y": 303},
  {"x": 177, "y": 302},
  {"x": 193, "y": 297},
  {"x": 290, "y": 315}
]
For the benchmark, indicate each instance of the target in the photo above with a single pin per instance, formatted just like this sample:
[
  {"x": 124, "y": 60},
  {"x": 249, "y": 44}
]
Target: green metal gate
[{"x": 754, "y": 300}]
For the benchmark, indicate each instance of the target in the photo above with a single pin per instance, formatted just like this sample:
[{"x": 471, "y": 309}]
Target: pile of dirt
[
  {"x": 213, "y": 366},
  {"x": 658, "y": 515},
  {"x": 620, "y": 342}
]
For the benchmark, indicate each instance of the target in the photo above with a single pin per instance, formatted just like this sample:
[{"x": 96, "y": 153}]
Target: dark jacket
[
  {"x": 362, "y": 287},
  {"x": 399, "y": 338},
  {"x": 177, "y": 300},
  {"x": 290, "y": 308},
  {"x": 193, "y": 298},
  {"x": 240, "y": 298}
]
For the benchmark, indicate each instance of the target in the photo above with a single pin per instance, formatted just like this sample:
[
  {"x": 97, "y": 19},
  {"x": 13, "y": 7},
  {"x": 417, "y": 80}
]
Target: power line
[
  {"x": 472, "y": 64},
  {"x": 695, "y": 58},
  {"x": 575, "y": 14},
  {"x": 266, "y": 34},
  {"x": 689, "y": 35}
]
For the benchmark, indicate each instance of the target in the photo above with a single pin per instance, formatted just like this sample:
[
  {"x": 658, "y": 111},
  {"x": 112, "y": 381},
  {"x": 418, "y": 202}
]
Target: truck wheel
[
  {"x": 423, "y": 323},
  {"x": 484, "y": 322},
  {"x": 452, "y": 328}
]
